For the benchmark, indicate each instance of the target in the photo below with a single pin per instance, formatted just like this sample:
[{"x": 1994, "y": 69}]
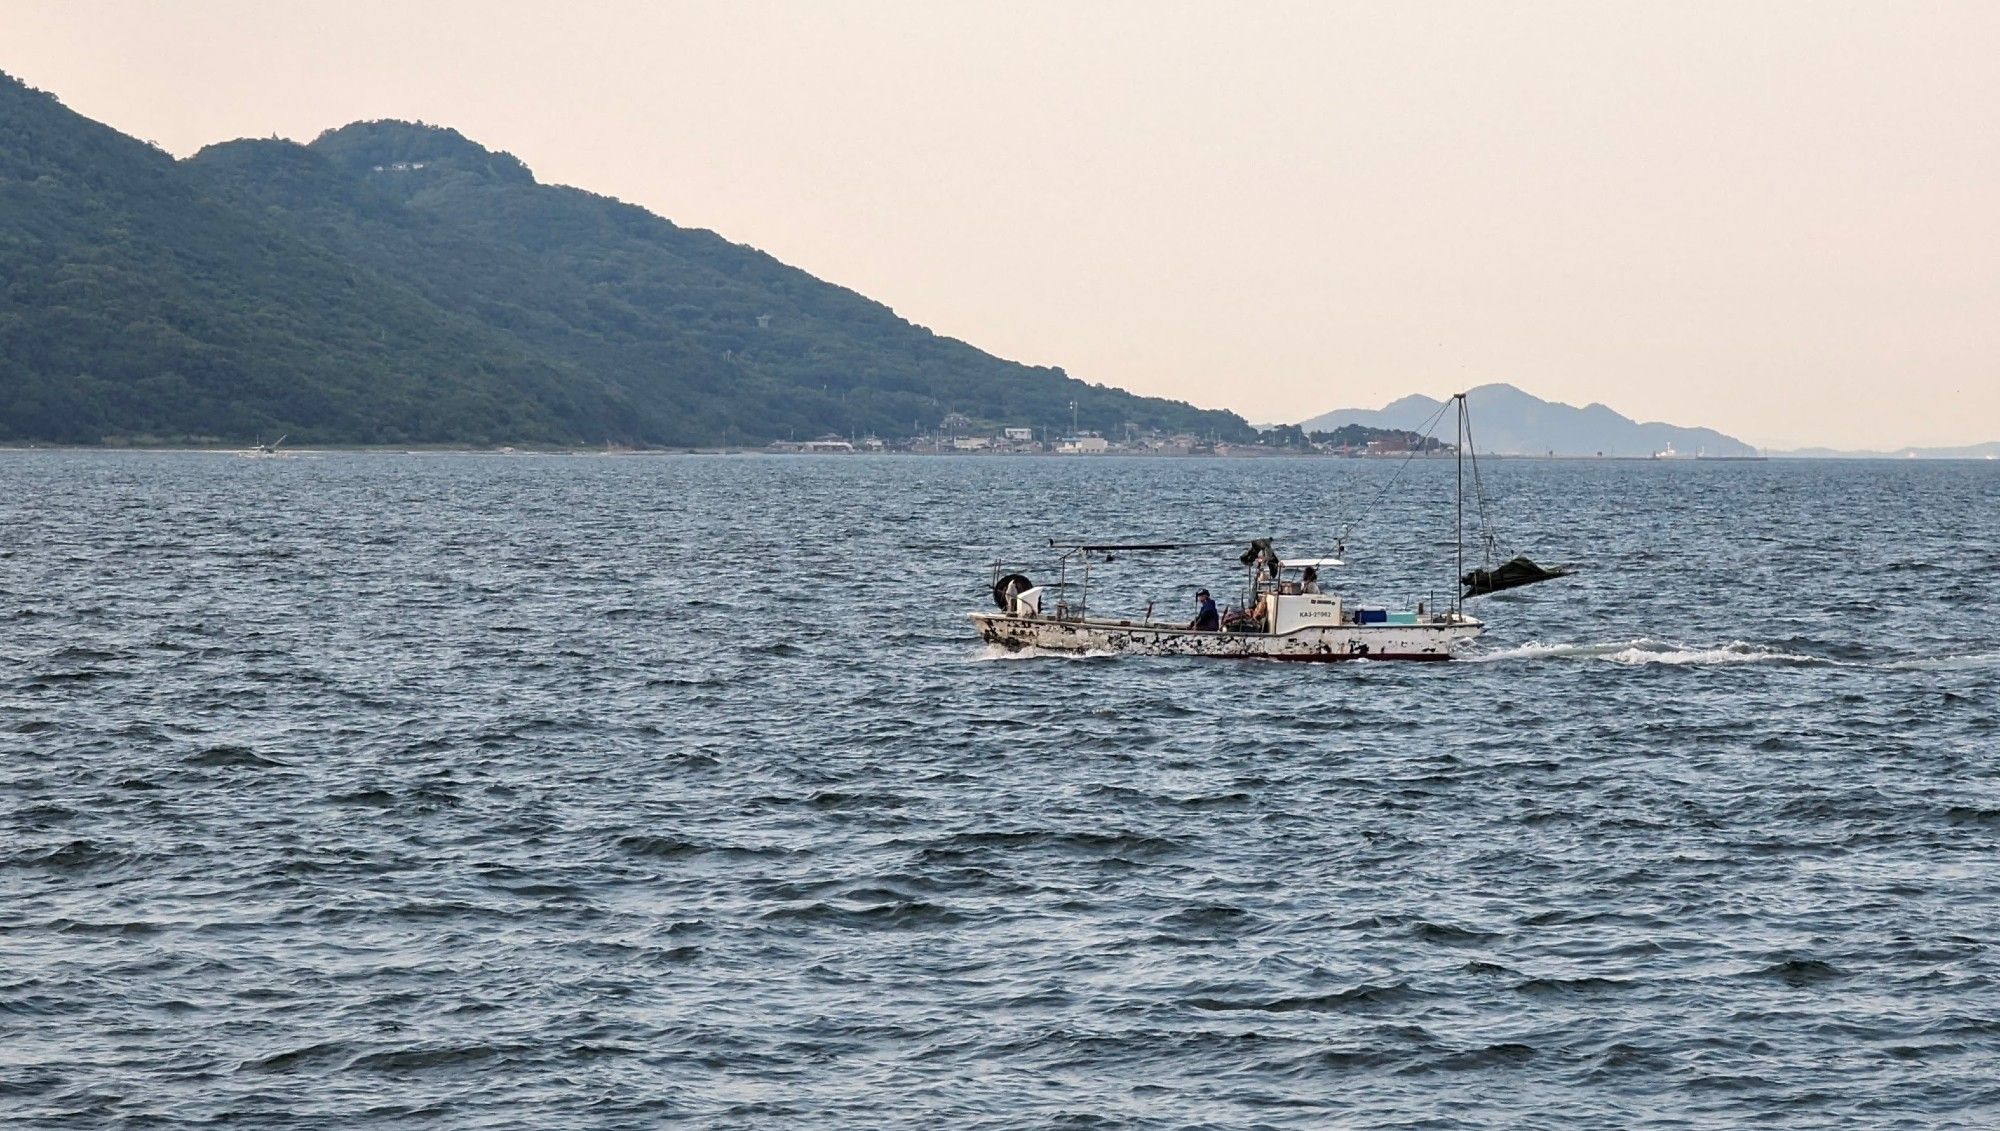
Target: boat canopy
[
  {"x": 1101, "y": 547},
  {"x": 1310, "y": 563}
]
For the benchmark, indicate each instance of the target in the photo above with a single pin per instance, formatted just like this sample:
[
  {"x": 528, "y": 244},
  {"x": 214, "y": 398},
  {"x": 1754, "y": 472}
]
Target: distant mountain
[
  {"x": 395, "y": 282},
  {"x": 1507, "y": 421},
  {"x": 1970, "y": 451}
]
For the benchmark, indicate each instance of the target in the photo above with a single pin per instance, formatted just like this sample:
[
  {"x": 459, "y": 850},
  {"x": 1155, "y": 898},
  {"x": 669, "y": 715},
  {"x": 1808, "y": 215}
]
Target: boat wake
[
  {"x": 996, "y": 652},
  {"x": 1646, "y": 650},
  {"x": 1640, "y": 651},
  {"x": 1946, "y": 663}
]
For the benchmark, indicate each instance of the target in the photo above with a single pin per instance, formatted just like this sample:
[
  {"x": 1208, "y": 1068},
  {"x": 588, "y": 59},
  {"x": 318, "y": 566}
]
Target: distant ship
[{"x": 1667, "y": 452}]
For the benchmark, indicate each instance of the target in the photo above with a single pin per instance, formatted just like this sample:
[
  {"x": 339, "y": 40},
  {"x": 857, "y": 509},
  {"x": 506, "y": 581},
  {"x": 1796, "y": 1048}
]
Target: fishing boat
[
  {"x": 1282, "y": 620},
  {"x": 1284, "y": 613}
]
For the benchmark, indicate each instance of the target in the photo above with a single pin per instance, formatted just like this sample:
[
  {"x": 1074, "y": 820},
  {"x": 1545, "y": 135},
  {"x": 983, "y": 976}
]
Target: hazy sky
[{"x": 1778, "y": 219}]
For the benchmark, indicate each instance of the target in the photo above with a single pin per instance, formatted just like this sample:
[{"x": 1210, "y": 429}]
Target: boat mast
[{"x": 1458, "y": 537}]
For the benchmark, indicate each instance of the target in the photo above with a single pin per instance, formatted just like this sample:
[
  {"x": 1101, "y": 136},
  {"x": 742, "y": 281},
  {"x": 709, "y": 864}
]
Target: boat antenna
[{"x": 1458, "y": 536}]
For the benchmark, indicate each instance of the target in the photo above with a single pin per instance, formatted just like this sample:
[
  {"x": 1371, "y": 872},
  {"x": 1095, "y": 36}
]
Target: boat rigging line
[
  {"x": 1488, "y": 539},
  {"x": 1340, "y": 542},
  {"x": 1488, "y": 578}
]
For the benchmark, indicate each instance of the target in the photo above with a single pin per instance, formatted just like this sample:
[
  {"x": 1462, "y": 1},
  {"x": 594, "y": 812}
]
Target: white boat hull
[{"x": 1323, "y": 643}]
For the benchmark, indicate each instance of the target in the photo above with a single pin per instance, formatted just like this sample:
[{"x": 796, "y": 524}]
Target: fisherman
[
  {"x": 1310, "y": 582},
  {"x": 1207, "y": 619}
]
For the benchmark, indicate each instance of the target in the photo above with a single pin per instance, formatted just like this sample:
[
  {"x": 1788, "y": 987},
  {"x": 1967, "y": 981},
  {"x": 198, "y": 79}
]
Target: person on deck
[
  {"x": 1207, "y": 619},
  {"x": 1310, "y": 582}
]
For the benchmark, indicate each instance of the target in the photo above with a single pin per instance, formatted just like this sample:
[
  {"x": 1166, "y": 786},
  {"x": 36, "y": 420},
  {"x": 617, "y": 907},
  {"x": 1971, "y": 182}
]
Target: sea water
[{"x": 367, "y": 790}]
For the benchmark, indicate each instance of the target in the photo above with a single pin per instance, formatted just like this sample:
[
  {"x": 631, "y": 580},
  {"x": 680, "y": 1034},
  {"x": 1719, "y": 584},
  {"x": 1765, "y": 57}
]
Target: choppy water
[{"x": 367, "y": 790}]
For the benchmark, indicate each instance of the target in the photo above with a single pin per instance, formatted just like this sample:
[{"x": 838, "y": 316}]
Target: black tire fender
[{"x": 1008, "y": 588}]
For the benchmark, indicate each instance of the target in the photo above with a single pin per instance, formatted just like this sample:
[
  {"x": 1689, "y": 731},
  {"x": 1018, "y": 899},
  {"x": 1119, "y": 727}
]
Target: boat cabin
[{"x": 1284, "y": 600}]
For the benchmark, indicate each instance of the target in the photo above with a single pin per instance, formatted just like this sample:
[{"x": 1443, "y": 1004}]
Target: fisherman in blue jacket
[{"x": 1207, "y": 620}]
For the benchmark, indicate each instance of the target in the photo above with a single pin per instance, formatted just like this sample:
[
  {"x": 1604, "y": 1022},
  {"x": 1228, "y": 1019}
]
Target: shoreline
[{"x": 743, "y": 450}]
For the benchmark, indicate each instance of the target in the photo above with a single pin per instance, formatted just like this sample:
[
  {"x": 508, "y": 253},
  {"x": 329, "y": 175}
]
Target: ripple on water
[{"x": 376, "y": 791}]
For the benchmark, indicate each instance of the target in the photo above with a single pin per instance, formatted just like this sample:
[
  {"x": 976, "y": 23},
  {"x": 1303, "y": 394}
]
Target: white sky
[{"x": 1778, "y": 219}]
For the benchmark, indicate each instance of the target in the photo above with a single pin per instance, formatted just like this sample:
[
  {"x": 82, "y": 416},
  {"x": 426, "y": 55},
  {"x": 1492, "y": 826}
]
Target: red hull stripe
[{"x": 1339, "y": 656}]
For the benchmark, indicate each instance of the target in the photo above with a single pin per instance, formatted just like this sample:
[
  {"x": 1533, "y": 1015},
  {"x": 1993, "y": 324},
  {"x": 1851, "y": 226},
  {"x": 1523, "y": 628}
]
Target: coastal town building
[{"x": 1087, "y": 443}]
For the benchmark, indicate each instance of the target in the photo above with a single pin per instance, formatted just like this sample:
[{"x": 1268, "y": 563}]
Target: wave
[
  {"x": 1503, "y": 1054},
  {"x": 227, "y": 755},
  {"x": 309, "y": 1055},
  {"x": 418, "y": 1059},
  {"x": 900, "y": 913},
  {"x": 1446, "y": 934},
  {"x": 74, "y": 856},
  {"x": 1802, "y": 971},
  {"x": 1358, "y": 997}
]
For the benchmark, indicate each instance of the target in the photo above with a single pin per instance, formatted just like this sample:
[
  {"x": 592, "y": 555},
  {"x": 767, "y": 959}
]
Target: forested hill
[{"x": 398, "y": 283}]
